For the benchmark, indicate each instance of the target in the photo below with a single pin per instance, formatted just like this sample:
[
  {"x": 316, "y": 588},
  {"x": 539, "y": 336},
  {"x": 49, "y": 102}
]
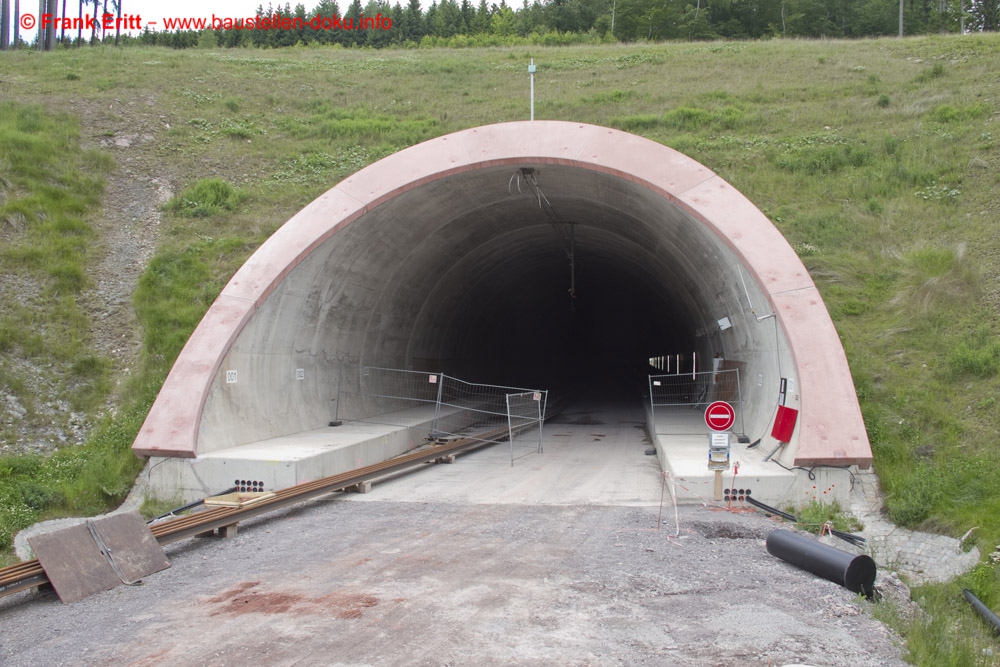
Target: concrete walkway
[{"x": 591, "y": 455}]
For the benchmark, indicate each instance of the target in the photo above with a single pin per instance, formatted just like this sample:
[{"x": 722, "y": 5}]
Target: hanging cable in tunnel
[
  {"x": 749, "y": 303},
  {"x": 566, "y": 230}
]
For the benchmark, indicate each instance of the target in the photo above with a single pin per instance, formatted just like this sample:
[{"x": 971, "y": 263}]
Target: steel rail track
[
  {"x": 29, "y": 574},
  {"x": 21, "y": 576}
]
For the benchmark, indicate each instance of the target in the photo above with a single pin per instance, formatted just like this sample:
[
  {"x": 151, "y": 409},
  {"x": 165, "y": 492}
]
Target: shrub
[
  {"x": 979, "y": 361},
  {"x": 946, "y": 113},
  {"x": 914, "y": 503},
  {"x": 207, "y": 197},
  {"x": 813, "y": 516}
]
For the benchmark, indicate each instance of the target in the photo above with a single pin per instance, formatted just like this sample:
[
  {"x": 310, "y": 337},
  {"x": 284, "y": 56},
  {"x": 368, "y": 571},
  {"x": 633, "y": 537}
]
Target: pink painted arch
[{"x": 377, "y": 267}]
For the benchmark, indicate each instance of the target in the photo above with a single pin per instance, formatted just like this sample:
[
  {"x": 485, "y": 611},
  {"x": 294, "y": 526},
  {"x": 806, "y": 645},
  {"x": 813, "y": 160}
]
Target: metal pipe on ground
[
  {"x": 855, "y": 573},
  {"x": 983, "y": 610}
]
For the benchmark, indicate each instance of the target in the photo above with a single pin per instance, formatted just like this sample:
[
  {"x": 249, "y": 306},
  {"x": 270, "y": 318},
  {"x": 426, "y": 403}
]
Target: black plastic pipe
[
  {"x": 855, "y": 573},
  {"x": 983, "y": 610},
  {"x": 772, "y": 510}
]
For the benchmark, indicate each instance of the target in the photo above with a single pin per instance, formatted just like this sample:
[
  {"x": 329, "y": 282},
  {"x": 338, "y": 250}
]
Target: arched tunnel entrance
[
  {"x": 543, "y": 254},
  {"x": 554, "y": 284}
]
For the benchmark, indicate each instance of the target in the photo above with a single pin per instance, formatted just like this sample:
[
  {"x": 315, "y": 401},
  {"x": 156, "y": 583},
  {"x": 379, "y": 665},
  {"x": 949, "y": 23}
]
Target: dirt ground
[{"x": 364, "y": 580}]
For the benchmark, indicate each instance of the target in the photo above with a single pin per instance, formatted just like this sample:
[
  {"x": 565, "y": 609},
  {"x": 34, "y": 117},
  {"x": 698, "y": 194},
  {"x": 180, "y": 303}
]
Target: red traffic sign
[{"x": 720, "y": 416}]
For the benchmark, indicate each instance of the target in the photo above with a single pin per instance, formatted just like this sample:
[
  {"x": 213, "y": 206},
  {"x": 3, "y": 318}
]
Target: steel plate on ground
[{"x": 76, "y": 566}]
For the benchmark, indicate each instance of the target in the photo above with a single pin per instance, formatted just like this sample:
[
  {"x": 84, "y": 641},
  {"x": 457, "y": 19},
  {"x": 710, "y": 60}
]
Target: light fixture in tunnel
[{"x": 724, "y": 324}]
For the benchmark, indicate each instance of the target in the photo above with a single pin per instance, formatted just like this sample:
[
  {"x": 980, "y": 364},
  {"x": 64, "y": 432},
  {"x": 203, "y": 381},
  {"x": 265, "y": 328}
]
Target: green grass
[
  {"x": 178, "y": 287},
  {"x": 814, "y": 516},
  {"x": 206, "y": 198},
  {"x": 876, "y": 159},
  {"x": 48, "y": 184},
  {"x": 945, "y": 614}
]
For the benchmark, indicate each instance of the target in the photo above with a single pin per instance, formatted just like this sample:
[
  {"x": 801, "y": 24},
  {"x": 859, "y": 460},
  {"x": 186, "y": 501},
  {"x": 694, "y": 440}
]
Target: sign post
[{"x": 720, "y": 417}]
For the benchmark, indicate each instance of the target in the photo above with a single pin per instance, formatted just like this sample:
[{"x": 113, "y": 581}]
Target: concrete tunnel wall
[{"x": 441, "y": 258}]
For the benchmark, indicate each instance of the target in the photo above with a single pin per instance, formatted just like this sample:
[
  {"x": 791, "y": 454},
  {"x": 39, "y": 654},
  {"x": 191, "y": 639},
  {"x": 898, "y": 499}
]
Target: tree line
[
  {"x": 462, "y": 23},
  {"x": 58, "y": 31}
]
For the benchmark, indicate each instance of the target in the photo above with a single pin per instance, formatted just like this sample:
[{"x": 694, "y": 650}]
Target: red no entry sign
[{"x": 720, "y": 416}]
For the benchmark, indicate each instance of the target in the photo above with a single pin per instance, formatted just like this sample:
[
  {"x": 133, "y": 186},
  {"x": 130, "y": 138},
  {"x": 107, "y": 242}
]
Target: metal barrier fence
[
  {"x": 525, "y": 416},
  {"x": 675, "y": 399},
  {"x": 444, "y": 406}
]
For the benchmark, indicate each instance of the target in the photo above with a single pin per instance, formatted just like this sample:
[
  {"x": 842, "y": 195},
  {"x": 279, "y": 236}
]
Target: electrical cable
[
  {"x": 567, "y": 239},
  {"x": 767, "y": 508},
  {"x": 109, "y": 556},
  {"x": 673, "y": 499},
  {"x": 189, "y": 506},
  {"x": 812, "y": 475},
  {"x": 777, "y": 343},
  {"x": 732, "y": 485},
  {"x": 856, "y": 540}
]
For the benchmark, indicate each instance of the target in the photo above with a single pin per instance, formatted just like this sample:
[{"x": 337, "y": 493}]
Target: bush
[
  {"x": 977, "y": 356},
  {"x": 207, "y": 197},
  {"x": 38, "y": 496},
  {"x": 914, "y": 503},
  {"x": 813, "y": 516},
  {"x": 947, "y": 113}
]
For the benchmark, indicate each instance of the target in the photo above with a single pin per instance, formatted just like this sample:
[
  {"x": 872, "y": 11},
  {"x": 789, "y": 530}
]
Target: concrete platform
[
  {"x": 283, "y": 462},
  {"x": 682, "y": 438},
  {"x": 592, "y": 454}
]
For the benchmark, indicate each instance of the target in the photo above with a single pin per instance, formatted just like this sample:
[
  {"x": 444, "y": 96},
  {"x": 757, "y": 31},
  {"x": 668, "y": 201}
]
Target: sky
[{"x": 157, "y": 10}]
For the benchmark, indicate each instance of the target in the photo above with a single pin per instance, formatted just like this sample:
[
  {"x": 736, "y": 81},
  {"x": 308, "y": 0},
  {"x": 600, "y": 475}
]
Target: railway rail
[{"x": 30, "y": 574}]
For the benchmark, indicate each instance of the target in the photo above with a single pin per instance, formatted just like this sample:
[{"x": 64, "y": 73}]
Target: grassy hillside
[{"x": 878, "y": 160}]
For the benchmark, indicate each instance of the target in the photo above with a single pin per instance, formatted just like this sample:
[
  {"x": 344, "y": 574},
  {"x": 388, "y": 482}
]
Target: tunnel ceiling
[
  {"x": 493, "y": 270},
  {"x": 447, "y": 256}
]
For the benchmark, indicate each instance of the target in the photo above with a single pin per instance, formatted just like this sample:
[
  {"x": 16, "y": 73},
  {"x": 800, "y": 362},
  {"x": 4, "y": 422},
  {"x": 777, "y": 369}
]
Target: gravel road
[{"x": 340, "y": 582}]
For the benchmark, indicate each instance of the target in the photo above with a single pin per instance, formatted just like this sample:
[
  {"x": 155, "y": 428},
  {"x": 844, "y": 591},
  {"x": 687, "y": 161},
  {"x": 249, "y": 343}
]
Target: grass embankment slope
[{"x": 878, "y": 160}]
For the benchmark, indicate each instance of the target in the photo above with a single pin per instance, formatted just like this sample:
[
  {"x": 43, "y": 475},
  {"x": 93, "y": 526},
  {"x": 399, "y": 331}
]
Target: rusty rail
[
  {"x": 29, "y": 574},
  {"x": 21, "y": 576},
  {"x": 209, "y": 520}
]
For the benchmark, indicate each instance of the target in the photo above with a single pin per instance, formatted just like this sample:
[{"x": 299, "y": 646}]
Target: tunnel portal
[{"x": 549, "y": 254}]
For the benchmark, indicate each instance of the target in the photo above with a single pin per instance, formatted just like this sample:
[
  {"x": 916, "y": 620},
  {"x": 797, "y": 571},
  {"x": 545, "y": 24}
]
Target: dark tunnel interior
[
  {"x": 519, "y": 312},
  {"x": 597, "y": 339},
  {"x": 503, "y": 303}
]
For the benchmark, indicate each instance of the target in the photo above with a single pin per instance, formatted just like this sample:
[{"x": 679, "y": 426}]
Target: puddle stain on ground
[{"x": 246, "y": 598}]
